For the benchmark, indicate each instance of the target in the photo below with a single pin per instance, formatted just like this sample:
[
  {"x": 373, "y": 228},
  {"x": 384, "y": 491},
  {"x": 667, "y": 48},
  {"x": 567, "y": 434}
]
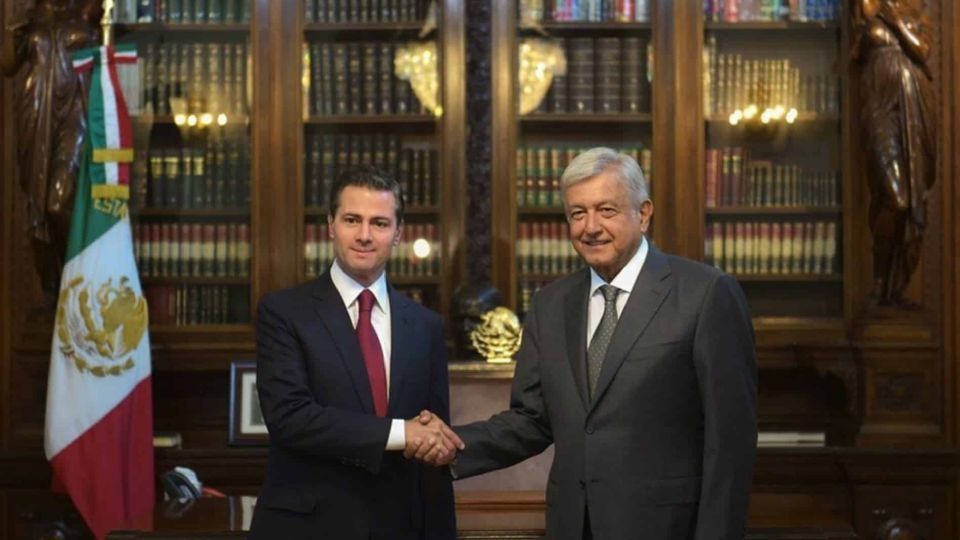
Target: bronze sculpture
[
  {"x": 900, "y": 135},
  {"x": 51, "y": 103}
]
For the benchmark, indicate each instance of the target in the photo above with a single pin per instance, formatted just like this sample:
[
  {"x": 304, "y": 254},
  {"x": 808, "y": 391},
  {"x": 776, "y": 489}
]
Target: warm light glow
[
  {"x": 192, "y": 120},
  {"x": 179, "y": 119},
  {"x": 779, "y": 111},
  {"x": 417, "y": 62},
  {"x": 206, "y": 119},
  {"x": 735, "y": 117},
  {"x": 766, "y": 116},
  {"x": 751, "y": 111},
  {"x": 221, "y": 119},
  {"x": 792, "y": 116},
  {"x": 540, "y": 61},
  {"x": 421, "y": 248}
]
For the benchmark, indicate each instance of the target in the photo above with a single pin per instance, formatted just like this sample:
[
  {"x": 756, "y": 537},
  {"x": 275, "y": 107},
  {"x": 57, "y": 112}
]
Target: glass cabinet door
[
  {"x": 771, "y": 89},
  {"x": 190, "y": 201},
  {"x": 371, "y": 96},
  {"x": 584, "y": 79}
]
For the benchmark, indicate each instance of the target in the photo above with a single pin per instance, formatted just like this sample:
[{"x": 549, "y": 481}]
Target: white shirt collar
[
  {"x": 350, "y": 289},
  {"x": 627, "y": 276}
]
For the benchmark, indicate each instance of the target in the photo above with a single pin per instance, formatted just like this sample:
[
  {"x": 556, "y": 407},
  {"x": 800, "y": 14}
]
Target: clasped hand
[{"x": 430, "y": 440}]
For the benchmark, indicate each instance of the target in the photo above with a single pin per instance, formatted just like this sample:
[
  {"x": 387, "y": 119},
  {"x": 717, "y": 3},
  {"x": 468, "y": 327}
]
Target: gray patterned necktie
[{"x": 601, "y": 336}]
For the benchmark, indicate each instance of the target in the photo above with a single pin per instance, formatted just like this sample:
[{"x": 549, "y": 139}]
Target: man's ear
[{"x": 397, "y": 235}]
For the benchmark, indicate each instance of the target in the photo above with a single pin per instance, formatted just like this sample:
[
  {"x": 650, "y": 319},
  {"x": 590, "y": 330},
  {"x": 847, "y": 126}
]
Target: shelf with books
[
  {"x": 773, "y": 26},
  {"x": 150, "y": 212},
  {"x": 195, "y": 280},
  {"x": 789, "y": 211},
  {"x": 125, "y": 30},
  {"x": 372, "y": 118},
  {"x": 780, "y": 278},
  {"x": 375, "y": 28},
  {"x": 185, "y": 122},
  {"x": 409, "y": 211},
  {"x": 602, "y": 118},
  {"x": 570, "y": 27},
  {"x": 540, "y": 211}
]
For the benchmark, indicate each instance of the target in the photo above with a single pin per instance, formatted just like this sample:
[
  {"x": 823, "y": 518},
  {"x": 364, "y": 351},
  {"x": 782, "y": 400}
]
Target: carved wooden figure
[
  {"x": 50, "y": 104},
  {"x": 900, "y": 136}
]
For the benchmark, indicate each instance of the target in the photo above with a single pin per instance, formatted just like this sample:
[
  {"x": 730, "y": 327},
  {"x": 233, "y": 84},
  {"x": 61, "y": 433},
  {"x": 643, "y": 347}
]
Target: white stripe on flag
[
  {"x": 110, "y": 120},
  {"x": 76, "y": 400}
]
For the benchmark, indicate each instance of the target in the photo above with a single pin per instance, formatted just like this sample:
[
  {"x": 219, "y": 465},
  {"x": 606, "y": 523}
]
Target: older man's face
[{"x": 606, "y": 226}]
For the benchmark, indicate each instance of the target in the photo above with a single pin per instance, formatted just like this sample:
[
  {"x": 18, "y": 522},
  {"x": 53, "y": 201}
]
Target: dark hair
[{"x": 366, "y": 176}]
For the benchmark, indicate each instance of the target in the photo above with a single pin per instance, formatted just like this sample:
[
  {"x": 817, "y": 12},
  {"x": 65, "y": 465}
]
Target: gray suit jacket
[{"x": 667, "y": 446}]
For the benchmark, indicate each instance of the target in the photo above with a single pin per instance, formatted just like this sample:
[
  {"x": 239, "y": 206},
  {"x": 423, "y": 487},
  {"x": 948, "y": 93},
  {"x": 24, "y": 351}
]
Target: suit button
[
  {"x": 582, "y": 483},
  {"x": 589, "y": 430}
]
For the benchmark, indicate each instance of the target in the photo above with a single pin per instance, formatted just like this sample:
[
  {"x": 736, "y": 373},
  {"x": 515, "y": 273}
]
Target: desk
[{"x": 478, "y": 518}]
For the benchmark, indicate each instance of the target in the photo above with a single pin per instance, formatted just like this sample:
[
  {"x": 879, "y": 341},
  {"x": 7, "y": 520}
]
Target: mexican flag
[{"x": 99, "y": 426}]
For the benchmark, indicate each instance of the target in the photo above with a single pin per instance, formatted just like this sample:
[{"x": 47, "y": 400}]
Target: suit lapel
[
  {"x": 333, "y": 314},
  {"x": 400, "y": 330},
  {"x": 650, "y": 290},
  {"x": 575, "y": 315}
]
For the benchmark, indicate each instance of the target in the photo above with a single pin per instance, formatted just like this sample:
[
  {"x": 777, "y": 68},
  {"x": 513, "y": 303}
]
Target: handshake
[{"x": 430, "y": 440}]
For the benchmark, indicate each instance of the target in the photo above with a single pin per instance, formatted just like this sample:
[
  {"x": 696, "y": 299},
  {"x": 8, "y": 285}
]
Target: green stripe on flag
[{"x": 91, "y": 219}]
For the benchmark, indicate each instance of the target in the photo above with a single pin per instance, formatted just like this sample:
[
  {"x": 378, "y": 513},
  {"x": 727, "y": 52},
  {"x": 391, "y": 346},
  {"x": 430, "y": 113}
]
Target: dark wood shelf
[
  {"x": 167, "y": 119},
  {"x": 191, "y": 212},
  {"x": 544, "y": 277},
  {"x": 531, "y": 211},
  {"x": 315, "y": 211},
  {"x": 772, "y": 25},
  {"x": 405, "y": 281},
  {"x": 789, "y": 278},
  {"x": 799, "y": 211},
  {"x": 194, "y": 280},
  {"x": 803, "y": 117},
  {"x": 561, "y": 26},
  {"x": 371, "y": 119},
  {"x": 123, "y": 29},
  {"x": 604, "y": 118},
  {"x": 378, "y": 27}
]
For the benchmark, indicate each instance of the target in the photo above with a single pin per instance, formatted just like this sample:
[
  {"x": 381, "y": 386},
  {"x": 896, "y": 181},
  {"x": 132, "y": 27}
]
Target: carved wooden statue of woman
[
  {"x": 50, "y": 104},
  {"x": 900, "y": 136}
]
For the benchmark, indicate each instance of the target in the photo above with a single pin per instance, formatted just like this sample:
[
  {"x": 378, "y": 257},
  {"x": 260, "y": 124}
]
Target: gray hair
[{"x": 597, "y": 160}]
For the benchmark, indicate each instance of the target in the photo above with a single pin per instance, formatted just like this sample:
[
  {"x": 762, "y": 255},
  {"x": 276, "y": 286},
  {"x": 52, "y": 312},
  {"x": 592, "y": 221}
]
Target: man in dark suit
[
  {"x": 641, "y": 371},
  {"x": 341, "y": 361}
]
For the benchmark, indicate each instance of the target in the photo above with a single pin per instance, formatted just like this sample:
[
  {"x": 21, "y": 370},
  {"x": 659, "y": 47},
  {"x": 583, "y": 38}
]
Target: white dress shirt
[
  {"x": 350, "y": 291},
  {"x": 624, "y": 281}
]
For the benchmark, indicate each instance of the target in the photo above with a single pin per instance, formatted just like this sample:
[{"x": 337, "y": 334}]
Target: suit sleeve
[
  {"x": 520, "y": 432},
  {"x": 436, "y": 485},
  {"x": 725, "y": 360},
  {"x": 294, "y": 418}
]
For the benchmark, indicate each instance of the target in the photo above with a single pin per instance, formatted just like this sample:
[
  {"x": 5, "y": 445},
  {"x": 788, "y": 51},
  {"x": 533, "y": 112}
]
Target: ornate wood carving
[{"x": 899, "y": 392}]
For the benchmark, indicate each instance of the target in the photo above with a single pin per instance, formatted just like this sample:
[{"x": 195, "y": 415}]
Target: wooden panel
[{"x": 924, "y": 511}]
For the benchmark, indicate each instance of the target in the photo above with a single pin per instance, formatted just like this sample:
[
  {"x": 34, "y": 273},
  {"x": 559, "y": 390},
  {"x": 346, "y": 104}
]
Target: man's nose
[
  {"x": 364, "y": 233},
  {"x": 591, "y": 223}
]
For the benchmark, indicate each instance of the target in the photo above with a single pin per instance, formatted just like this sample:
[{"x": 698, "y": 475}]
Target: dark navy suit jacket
[{"x": 329, "y": 475}]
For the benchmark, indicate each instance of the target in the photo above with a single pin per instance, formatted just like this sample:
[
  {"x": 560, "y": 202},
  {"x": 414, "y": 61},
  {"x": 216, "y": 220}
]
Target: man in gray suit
[{"x": 640, "y": 369}]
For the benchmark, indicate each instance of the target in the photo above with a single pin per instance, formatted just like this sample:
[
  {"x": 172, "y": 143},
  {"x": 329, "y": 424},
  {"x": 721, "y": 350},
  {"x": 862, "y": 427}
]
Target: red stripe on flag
[
  {"x": 108, "y": 470},
  {"x": 123, "y": 118}
]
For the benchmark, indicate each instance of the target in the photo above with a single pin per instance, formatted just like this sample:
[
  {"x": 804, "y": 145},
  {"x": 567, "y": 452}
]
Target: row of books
[
  {"x": 417, "y": 169},
  {"x": 212, "y": 174},
  {"x": 585, "y": 10},
  {"x": 543, "y": 248},
  {"x": 192, "y": 249},
  {"x": 604, "y": 75},
  {"x": 417, "y": 255},
  {"x": 183, "y": 11},
  {"x": 194, "y": 78},
  {"x": 771, "y": 10},
  {"x": 353, "y": 11},
  {"x": 733, "y": 82},
  {"x": 356, "y": 78},
  {"x": 734, "y": 180},
  {"x": 187, "y": 305},
  {"x": 539, "y": 169},
  {"x": 784, "y": 248}
]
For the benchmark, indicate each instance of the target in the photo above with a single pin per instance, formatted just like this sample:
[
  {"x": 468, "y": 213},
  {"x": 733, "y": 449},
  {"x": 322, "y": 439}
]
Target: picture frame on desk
[{"x": 247, "y": 427}]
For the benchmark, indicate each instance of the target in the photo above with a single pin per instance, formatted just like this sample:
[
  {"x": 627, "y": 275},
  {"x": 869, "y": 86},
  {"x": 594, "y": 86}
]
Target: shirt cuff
[{"x": 397, "y": 440}]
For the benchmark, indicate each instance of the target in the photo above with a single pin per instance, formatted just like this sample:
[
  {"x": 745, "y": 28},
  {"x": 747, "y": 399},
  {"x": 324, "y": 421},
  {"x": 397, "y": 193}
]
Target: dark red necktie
[{"x": 372, "y": 353}]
